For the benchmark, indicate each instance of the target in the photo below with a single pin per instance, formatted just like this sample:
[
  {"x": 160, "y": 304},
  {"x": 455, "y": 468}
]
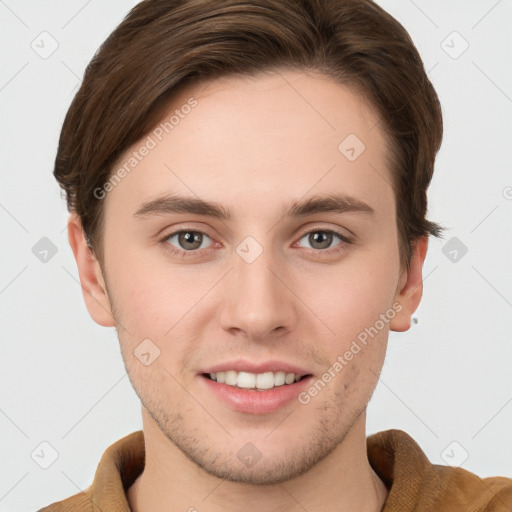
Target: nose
[{"x": 257, "y": 301}]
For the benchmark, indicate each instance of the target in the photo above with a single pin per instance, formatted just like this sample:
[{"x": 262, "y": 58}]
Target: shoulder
[
  {"x": 414, "y": 483},
  {"x": 81, "y": 502},
  {"x": 463, "y": 488},
  {"x": 118, "y": 468}
]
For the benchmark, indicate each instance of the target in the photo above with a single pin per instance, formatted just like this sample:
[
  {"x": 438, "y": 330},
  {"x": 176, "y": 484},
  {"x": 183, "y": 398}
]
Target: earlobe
[
  {"x": 410, "y": 288},
  {"x": 91, "y": 277}
]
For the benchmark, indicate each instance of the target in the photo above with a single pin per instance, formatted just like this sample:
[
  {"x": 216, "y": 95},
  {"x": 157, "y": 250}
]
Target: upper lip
[{"x": 242, "y": 365}]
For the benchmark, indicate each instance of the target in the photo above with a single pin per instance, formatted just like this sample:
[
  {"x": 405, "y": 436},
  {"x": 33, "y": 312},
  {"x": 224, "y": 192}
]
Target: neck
[{"x": 342, "y": 481}]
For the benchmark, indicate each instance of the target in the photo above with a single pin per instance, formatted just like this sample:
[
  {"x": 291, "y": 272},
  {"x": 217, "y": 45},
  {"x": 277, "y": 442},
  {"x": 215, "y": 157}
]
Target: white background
[{"x": 62, "y": 378}]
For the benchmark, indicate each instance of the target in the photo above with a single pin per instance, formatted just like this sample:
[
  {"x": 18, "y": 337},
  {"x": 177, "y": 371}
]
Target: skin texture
[{"x": 253, "y": 145}]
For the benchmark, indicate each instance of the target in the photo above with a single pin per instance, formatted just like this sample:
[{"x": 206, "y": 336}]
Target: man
[{"x": 247, "y": 185}]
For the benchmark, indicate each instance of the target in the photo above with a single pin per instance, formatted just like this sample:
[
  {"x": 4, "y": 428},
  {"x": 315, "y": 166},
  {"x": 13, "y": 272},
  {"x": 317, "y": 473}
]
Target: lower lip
[{"x": 257, "y": 402}]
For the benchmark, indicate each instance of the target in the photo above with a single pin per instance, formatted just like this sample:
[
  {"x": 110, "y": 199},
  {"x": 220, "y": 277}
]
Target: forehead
[{"x": 259, "y": 140}]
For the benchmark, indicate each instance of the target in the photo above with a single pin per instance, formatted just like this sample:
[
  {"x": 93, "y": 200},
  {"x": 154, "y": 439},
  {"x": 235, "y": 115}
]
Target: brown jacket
[{"x": 414, "y": 483}]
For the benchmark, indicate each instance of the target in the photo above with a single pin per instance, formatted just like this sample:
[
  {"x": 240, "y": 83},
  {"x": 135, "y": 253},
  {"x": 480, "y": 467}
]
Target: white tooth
[
  {"x": 246, "y": 380},
  {"x": 290, "y": 378},
  {"x": 279, "y": 378},
  {"x": 261, "y": 381},
  {"x": 265, "y": 380},
  {"x": 231, "y": 377}
]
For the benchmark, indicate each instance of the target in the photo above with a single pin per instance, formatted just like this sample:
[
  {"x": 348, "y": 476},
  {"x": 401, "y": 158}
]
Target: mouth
[
  {"x": 255, "y": 387},
  {"x": 255, "y": 393},
  {"x": 255, "y": 381}
]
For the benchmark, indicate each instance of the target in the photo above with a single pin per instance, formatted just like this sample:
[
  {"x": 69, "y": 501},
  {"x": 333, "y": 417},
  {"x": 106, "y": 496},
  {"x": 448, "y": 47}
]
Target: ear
[
  {"x": 410, "y": 288},
  {"x": 91, "y": 276}
]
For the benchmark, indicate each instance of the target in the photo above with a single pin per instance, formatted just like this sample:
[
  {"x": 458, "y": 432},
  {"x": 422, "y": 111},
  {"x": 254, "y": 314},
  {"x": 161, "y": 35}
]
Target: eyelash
[{"x": 317, "y": 252}]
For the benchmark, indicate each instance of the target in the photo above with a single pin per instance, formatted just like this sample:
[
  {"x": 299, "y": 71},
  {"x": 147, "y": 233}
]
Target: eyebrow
[{"x": 332, "y": 203}]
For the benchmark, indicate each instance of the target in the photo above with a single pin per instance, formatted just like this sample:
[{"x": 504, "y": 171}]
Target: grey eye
[
  {"x": 320, "y": 239},
  {"x": 188, "y": 240}
]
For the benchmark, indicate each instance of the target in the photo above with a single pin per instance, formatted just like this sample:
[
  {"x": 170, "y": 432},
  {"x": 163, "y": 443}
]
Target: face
[{"x": 291, "y": 271}]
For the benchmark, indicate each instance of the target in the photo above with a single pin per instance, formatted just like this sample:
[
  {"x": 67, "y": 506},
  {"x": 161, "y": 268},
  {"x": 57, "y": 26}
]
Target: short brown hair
[{"x": 163, "y": 45}]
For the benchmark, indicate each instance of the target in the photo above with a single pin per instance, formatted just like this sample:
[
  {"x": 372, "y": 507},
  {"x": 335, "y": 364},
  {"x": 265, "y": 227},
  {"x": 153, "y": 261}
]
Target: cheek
[
  {"x": 351, "y": 296},
  {"x": 161, "y": 300}
]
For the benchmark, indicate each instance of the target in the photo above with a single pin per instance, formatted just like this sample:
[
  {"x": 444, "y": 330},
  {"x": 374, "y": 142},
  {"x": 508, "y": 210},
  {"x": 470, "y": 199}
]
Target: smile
[{"x": 254, "y": 381}]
